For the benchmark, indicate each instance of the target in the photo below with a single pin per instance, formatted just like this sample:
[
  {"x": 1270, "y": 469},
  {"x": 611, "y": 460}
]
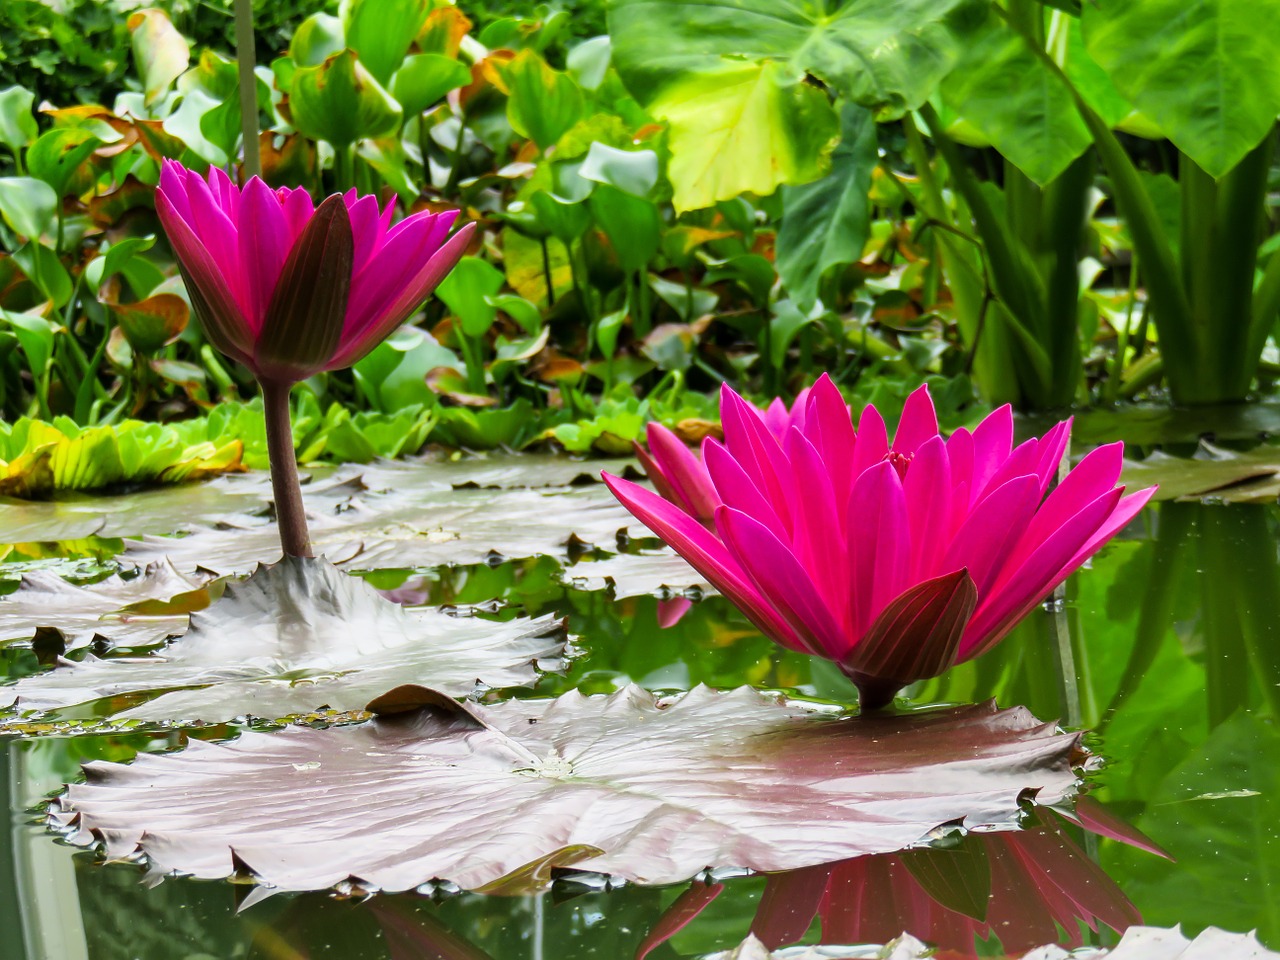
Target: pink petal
[
  {"x": 366, "y": 228},
  {"x": 776, "y": 418},
  {"x": 919, "y": 422},
  {"x": 684, "y": 473},
  {"x": 927, "y": 490},
  {"x": 1029, "y": 578},
  {"x": 983, "y": 543},
  {"x": 706, "y": 554},
  {"x": 1052, "y": 448},
  {"x": 757, "y": 451},
  {"x": 879, "y": 543},
  {"x": 992, "y": 443},
  {"x": 298, "y": 209},
  {"x": 264, "y": 246},
  {"x": 400, "y": 301},
  {"x": 394, "y": 265},
  {"x": 782, "y": 581},
  {"x": 819, "y": 538},
  {"x": 736, "y": 488},
  {"x": 830, "y": 428},
  {"x": 218, "y": 235},
  {"x": 1095, "y": 475},
  {"x": 872, "y": 443}
]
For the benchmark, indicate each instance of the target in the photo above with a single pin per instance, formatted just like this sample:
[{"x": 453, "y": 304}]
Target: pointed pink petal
[
  {"x": 173, "y": 187},
  {"x": 1127, "y": 509},
  {"x": 879, "y": 543},
  {"x": 782, "y": 581},
  {"x": 819, "y": 541},
  {"x": 392, "y": 268},
  {"x": 1095, "y": 475},
  {"x": 927, "y": 489},
  {"x": 983, "y": 543},
  {"x": 264, "y": 246},
  {"x": 736, "y": 488},
  {"x": 706, "y": 554},
  {"x": 671, "y": 612},
  {"x": 1029, "y": 577},
  {"x": 298, "y": 209},
  {"x": 218, "y": 235},
  {"x": 366, "y": 228},
  {"x": 919, "y": 422},
  {"x": 684, "y": 473},
  {"x": 1052, "y": 448},
  {"x": 400, "y": 302},
  {"x": 757, "y": 451},
  {"x": 872, "y": 443},
  {"x": 992, "y": 443},
  {"x": 829, "y": 428},
  {"x": 221, "y": 318},
  {"x": 776, "y": 418}
]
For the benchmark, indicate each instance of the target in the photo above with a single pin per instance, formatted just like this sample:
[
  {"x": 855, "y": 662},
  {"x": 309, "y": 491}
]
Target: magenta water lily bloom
[
  {"x": 894, "y": 559},
  {"x": 290, "y": 289}
]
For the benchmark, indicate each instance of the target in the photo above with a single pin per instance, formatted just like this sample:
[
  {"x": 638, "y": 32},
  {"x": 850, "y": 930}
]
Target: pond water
[{"x": 1166, "y": 648}]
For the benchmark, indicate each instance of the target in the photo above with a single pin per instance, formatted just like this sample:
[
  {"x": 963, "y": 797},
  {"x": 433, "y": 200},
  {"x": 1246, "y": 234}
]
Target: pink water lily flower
[
  {"x": 290, "y": 289},
  {"x": 896, "y": 559}
]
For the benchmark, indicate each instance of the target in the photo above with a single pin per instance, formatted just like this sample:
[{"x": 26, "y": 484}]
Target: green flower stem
[
  {"x": 291, "y": 517},
  {"x": 248, "y": 83}
]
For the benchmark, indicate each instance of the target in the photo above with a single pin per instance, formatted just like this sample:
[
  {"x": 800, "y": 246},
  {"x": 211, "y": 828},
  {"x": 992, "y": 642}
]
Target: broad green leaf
[
  {"x": 784, "y": 326},
  {"x": 543, "y": 103},
  {"x": 588, "y": 62},
  {"x": 35, "y": 334},
  {"x": 632, "y": 224},
  {"x": 632, "y": 171},
  {"x": 380, "y": 32},
  {"x": 885, "y": 56},
  {"x": 188, "y": 123},
  {"x": 317, "y": 38},
  {"x": 56, "y": 157},
  {"x": 1206, "y": 71},
  {"x": 160, "y": 52},
  {"x": 744, "y": 128},
  {"x": 566, "y": 220},
  {"x": 1023, "y": 109},
  {"x": 302, "y": 620},
  {"x": 341, "y": 102},
  {"x": 825, "y": 223},
  {"x": 468, "y": 291},
  {"x": 1066, "y": 45},
  {"x": 17, "y": 125},
  {"x": 44, "y": 268},
  {"x": 113, "y": 258},
  {"x": 393, "y": 374},
  {"x": 425, "y": 78},
  {"x": 28, "y": 205},
  {"x": 152, "y": 323},
  {"x": 486, "y": 796}
]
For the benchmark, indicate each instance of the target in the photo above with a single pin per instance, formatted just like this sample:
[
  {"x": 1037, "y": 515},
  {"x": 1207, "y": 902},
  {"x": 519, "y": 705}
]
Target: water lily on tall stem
[
  {"x": 894, "y": 559},
  {"x": 290, "y": 289}
]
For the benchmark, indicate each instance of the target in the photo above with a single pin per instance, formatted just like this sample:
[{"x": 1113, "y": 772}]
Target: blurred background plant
[{"x": 683, "y": 195}]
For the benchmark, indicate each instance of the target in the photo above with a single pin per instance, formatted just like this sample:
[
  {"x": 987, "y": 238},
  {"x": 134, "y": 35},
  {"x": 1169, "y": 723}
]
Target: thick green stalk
[
  {"x": 291, "y": 515},
  {"x": 246, "y": 61}
]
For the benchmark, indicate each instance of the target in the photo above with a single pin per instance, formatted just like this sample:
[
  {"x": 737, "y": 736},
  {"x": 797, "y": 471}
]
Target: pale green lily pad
[
  {"x": 1224, "y": 475},
  {"x": 138, "y": 611},
  {"x": 494, "y": 798},
  {"x": 660, "y": 574},
  {"x": 293, "y": 638}
]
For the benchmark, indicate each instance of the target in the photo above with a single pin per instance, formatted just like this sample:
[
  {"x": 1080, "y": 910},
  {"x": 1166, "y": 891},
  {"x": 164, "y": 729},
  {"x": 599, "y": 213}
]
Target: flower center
[{"x": 900, "y": 462}]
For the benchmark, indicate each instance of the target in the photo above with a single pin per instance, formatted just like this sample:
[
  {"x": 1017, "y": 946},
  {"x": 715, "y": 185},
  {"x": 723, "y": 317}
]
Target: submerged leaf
[
  {"x": 494, "y": 798},
  {"x": 295, "y": 637},
  {"x": 1227, "y": 475}
]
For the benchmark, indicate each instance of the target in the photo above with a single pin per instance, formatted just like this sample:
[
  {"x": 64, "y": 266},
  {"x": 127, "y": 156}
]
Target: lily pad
[
  {"x": 296, "y": 637},
  {"x": 494, "y": 798},
  {"x": 1225, "y": 475},
  {"x": 504, "y": 471},
  {"x": 408, "y": 527},
  {"x": 663, "y": 574},
  {"x": 135, "y": 612}
]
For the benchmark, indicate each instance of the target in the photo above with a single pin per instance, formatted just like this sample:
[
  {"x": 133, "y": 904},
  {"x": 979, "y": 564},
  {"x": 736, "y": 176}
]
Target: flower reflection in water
[{"x": 1026, "y": 888}]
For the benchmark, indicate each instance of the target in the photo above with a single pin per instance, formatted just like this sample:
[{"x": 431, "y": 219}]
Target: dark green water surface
[{"x": 1166, "y": 648}]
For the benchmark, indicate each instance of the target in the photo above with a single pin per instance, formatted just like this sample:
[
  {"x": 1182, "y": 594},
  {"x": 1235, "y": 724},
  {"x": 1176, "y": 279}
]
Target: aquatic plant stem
[
  {"x": 248, "y": 83},
  {"x": 291, "y": 517}
]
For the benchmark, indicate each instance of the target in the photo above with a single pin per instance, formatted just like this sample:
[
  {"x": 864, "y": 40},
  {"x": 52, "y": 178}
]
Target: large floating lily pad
[
  {"x": 130, "y": 612},
  {"x": 493, "y": 798},
  {"x": 293, "y": 638},
  {"x": 1226, "y": 475},
  {"x": 411, "y": 527},
  {"x": 502, "y": 471}
]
